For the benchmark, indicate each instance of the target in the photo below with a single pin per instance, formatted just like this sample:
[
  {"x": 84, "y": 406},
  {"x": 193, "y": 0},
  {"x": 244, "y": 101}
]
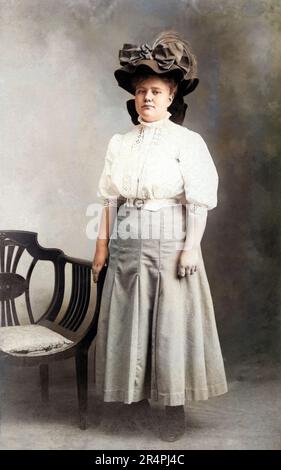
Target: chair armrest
[{"x": 81, "y": 262}]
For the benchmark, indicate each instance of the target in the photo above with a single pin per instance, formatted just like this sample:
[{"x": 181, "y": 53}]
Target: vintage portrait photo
[{"x": 140, "y": 237}]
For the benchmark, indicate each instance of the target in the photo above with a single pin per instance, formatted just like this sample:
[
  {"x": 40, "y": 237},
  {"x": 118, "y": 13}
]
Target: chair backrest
[{"x": 13, "y": 244}]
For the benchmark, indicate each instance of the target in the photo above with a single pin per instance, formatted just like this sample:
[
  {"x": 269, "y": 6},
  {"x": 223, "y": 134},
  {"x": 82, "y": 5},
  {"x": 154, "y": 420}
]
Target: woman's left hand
[{"x": 188, "y": 262}]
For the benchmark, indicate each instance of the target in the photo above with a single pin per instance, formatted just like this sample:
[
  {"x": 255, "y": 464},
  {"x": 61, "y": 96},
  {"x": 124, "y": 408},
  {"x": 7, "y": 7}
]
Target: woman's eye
[{"x": 156, "y": 92}]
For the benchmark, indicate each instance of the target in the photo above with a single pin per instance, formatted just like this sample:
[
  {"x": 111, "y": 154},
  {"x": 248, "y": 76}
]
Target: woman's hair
[{"x": 139, "y": 78}]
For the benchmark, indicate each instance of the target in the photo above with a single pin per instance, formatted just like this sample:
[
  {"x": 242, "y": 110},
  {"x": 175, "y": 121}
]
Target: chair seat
[{"x": 30, "y": 339}]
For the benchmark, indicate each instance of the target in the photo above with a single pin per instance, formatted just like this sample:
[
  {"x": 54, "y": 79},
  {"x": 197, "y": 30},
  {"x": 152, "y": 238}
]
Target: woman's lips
[{"x": 147, "y": 106}]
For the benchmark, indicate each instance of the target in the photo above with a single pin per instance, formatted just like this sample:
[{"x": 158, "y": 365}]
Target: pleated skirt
[{"x": 157, "y": 336}]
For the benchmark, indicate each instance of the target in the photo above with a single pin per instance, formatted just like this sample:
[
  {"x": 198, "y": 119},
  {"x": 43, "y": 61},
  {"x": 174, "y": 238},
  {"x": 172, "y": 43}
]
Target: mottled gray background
[{"x": 59, "y": 105}]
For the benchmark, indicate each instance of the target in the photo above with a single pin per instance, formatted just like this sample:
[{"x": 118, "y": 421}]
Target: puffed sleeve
[
  {"x": 107, "y": 190},
  {"x": 198, "y": 171}
]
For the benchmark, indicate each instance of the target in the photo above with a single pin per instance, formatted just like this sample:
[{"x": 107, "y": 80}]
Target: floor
[{"x": 247, "y": 417}]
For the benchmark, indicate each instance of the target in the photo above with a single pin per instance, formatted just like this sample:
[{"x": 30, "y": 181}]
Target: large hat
[{"x": 170, "y": 55}]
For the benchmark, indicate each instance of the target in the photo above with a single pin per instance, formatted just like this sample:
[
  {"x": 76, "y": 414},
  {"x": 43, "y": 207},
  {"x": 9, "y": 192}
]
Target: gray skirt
[{"x": 157, "y": 335}]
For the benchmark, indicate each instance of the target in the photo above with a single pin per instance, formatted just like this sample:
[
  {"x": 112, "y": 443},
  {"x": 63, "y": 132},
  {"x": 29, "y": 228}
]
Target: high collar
[{"x": 155, "y": 124}]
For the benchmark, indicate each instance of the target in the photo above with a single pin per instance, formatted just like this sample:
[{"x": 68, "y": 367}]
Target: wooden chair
[{"x": 75, "y": 322}]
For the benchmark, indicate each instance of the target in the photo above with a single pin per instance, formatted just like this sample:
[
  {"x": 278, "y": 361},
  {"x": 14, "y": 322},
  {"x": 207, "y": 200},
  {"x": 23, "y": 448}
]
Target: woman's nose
[{"x": 148, "y": 96}]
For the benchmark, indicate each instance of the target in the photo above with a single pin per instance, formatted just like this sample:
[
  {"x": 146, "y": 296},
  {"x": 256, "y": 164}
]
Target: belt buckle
[{"x": 138, "y": 203}]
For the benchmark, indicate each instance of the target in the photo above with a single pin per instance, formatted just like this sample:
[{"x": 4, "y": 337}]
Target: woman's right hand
[
  {"x": 188, "y": 262},
  {"x": 100, "y": 258}
]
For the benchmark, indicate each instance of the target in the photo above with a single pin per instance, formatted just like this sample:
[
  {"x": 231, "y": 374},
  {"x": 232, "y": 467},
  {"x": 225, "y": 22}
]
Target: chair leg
[
  {"x": 82, "y": 387},
  {"x": 44, "y": 382}
]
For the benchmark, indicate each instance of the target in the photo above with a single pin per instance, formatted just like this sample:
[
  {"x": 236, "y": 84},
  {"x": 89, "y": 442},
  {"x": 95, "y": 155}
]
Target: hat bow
[{"x": 164, "y": 55}]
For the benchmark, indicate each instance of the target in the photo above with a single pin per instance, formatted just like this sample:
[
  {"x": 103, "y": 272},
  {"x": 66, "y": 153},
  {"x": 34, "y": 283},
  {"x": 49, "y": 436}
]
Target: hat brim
[{"x": 125, "y": 74}]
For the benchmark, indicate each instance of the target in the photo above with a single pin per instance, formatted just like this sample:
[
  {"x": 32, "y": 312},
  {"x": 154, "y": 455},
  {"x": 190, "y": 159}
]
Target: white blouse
[{"x": 159, "y": 160}]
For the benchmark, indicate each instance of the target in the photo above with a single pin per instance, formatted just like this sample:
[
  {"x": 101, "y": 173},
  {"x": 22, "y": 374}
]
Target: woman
[{"x": 157, "y": 335}]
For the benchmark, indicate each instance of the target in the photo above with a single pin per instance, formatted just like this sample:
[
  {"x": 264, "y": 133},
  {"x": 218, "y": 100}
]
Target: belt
[{"x": 150, "y": 204}]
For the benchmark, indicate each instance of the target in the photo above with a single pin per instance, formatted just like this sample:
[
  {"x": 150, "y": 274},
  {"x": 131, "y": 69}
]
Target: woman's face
[{"x": 152, "y": 98}]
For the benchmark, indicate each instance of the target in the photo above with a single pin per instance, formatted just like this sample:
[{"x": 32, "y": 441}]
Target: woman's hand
[
  {"x": 188, "y": 262},
  {"x": 100, "y": 258}
]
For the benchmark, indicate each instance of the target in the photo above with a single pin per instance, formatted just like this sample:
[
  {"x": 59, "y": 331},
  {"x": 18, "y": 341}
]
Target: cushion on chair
[{"x": 30, "y": 338}]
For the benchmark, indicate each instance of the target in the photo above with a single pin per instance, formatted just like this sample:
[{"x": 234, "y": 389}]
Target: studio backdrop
[{"x": 60, "y": 104}]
